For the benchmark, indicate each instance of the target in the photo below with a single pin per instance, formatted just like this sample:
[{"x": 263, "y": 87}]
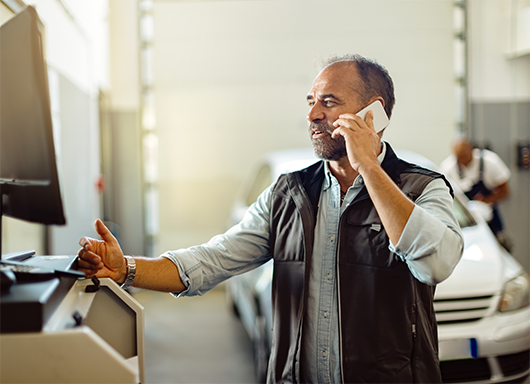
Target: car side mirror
[{"x": 481, "y": 209}]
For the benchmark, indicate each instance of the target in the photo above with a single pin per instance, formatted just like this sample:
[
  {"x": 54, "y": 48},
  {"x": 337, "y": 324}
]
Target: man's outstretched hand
[{"x": 102, "y": 258}]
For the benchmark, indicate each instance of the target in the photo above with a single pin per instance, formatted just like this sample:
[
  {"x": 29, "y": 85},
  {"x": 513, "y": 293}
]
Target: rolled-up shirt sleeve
[
  {"x": 242, "y": 248},
  {"x": 431, "y": 243}
]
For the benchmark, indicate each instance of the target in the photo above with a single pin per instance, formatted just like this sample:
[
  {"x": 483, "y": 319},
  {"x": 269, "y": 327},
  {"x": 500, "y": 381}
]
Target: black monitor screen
[{"x": 28, "y": 172}]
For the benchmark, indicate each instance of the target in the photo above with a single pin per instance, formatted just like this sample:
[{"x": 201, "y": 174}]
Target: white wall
[
  {"x": 124, "y": 72},
  {"x": 497, "y": 73},
  {"x": 231, "y": 79}
]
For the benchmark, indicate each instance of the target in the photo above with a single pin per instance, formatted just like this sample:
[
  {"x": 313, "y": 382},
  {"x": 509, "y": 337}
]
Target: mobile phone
[{"x": 381, "y": 120}]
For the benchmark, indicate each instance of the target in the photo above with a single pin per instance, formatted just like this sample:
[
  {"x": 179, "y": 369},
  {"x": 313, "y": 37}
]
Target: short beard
[{"x": 328, "y": 148}]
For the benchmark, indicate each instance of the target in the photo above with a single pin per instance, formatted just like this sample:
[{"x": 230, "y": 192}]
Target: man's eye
[
  {"x": 310, "y": 103},
  {"x": 328, "y": 103}
]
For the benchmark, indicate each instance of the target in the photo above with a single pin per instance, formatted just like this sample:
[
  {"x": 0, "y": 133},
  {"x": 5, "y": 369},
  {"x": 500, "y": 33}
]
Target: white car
[{"x": 482, "y": 309}]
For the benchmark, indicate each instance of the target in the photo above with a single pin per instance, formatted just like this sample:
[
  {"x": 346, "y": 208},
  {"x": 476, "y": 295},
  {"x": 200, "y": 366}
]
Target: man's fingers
[
  {"x": 347, "y": 120},
  {"x": 337, "y": 132},
  {"x": 84, "y": 264},
  {"x": 88, "y": 262},
  {"x": 87, "y": 257},
  {"x": 370, "y": 119},
  {"x": 104, "y": 232},
  {"x": 353, "y": 121},
  {"x": 86, "y": 242}
]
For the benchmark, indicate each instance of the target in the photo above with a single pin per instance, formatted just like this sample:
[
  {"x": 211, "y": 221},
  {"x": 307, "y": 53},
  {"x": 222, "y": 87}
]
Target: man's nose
[{"x": 315, "y": 113}]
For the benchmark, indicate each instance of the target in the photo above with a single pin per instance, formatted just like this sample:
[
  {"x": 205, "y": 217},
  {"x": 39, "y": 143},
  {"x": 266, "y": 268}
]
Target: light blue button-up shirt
[{"x": 431, "y": 245}]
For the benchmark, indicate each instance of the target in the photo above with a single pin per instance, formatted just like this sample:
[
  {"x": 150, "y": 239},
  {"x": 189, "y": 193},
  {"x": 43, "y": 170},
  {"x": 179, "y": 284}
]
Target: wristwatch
[{"x": 131, "y": 271}]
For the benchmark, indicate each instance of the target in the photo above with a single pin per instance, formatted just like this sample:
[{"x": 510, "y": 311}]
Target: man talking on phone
[{"x": 359, "y": 241}]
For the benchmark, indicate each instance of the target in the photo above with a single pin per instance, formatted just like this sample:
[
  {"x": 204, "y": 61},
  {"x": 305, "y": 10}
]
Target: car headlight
[{"x": 515, "y": 294}]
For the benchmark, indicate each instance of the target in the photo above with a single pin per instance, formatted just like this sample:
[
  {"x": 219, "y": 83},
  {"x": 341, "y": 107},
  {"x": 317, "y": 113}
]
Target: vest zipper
[
  {"x": 414, "y": 304},
  {"x": 414, "y": 319},
  {"x": 344, "y": 214},
  {"x": 338, "y": 304},
  {"x": 299, "y": 195}
]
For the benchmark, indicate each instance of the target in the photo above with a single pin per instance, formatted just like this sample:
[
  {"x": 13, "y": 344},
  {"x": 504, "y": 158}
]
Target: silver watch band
[{"x": 131, "y": 271}]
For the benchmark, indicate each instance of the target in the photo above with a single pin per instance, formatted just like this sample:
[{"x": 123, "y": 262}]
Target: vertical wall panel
[
  {"x": 499, "y": 90},
  {"x": 501, "y": 126}
]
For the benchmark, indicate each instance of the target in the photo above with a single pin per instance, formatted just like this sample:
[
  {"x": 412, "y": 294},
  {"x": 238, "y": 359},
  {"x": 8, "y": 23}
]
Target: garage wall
[
  {"x": 231, "y": 79},
  {"x": 122, "y": 156},
  {"x": 499, "y": 90}
]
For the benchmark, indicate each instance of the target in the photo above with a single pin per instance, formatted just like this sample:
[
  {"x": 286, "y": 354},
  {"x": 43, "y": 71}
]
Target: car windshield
[{"x": 465, "y": 219}]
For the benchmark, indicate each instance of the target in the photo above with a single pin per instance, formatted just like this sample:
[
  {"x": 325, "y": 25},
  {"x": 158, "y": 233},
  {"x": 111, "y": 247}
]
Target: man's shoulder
[
  {"x": 308, "y": 175},
  {"x": 414, "y": 174},
  {"x": 406, "y": 167}
]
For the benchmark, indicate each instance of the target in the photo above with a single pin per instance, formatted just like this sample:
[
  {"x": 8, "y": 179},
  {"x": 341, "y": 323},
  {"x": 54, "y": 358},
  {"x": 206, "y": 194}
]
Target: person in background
[
  {"x": 359, "y": 241},
  {"x": 483, "y": 176}
]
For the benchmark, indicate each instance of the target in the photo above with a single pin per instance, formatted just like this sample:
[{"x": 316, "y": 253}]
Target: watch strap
[{"x": 131, "y": 271}]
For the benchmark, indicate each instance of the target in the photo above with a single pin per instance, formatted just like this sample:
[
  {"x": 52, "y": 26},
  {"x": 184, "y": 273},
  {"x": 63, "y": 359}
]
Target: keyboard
[{"x": 29, "y": 273}]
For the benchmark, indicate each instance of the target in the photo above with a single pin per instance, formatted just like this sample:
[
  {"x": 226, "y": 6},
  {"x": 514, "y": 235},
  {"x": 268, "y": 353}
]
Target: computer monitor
[{"x": 29, "y": 184}]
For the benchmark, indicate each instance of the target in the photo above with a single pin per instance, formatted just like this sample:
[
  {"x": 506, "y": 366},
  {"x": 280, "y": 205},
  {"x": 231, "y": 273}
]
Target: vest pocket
[{"x": 366, "y": 242}]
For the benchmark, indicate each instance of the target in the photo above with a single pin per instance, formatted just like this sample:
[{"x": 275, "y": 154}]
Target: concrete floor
[{"x": 194, "y": 340}]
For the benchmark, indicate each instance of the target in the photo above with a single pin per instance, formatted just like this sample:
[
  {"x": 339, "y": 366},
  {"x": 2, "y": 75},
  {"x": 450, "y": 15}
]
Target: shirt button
[
  {"x": 324, "y": 354},
  {"x": 329, "y": 276},
  {"x": 325, "y": 314},
  {"x": 332, "y": 238}
]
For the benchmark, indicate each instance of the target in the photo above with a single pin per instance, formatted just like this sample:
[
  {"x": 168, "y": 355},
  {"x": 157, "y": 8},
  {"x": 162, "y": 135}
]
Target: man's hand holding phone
[
  {"x": 380, "y": 118},
  {"x": 360, "y": 131}
]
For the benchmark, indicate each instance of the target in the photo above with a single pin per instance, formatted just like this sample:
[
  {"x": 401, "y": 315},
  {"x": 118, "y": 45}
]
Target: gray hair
[{"x": 375, "y": 79}]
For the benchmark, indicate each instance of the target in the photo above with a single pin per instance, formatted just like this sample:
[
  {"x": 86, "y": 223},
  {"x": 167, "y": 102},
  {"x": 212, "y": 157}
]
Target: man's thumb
[{"x": 104, "y": 232}]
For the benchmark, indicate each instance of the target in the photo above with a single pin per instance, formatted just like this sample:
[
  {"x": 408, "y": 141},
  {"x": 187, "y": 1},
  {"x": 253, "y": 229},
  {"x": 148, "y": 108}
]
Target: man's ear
[{"x": 377, "y": 98}]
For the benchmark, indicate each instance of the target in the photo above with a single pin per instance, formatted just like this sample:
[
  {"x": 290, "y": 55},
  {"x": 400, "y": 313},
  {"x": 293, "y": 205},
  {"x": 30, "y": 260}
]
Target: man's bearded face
[{"x": 325, "y": 147}]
